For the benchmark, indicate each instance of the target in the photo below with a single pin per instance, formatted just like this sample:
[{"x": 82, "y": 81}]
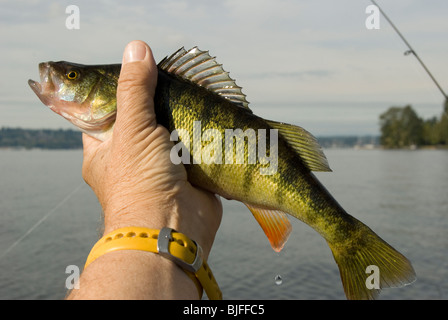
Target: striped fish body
[
  {"x": 289, "y": 188},
  {"x": 180, "y": 104}
]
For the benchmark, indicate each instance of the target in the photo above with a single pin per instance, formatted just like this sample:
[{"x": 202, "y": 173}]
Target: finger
[{"x": 136, "y": 89}]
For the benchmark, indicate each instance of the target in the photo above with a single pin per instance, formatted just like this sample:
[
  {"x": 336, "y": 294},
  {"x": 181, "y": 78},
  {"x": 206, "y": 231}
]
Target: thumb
[{"x": 136, "y": 90}]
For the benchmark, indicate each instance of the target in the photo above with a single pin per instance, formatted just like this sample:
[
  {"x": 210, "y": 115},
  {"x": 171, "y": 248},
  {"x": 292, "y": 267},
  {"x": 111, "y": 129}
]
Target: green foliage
[
  {"x": 402, "y": 128},
  {"x": 430, "y": 134},
  {"x": 442, "y": 129},
  {"x": 40, "y": 138}
]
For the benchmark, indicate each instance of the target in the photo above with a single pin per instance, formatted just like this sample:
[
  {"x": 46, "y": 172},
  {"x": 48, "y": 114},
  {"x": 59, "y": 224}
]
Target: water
[{"x": 401, "y": 195}]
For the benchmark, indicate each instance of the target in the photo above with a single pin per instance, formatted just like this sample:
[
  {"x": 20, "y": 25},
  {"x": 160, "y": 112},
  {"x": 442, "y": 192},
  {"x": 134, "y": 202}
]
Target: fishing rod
[{"x": 411, "y": 50}]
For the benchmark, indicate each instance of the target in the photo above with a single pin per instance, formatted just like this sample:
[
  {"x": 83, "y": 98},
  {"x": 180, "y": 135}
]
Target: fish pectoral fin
[
  {"x": 275, "y": 225},
  {"x": 304, "y": 144}
]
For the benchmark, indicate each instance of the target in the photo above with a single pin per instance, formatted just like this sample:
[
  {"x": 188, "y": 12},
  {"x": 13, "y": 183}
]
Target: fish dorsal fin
[
  {"x": 199, "y": 67},
  {"x": 304, "y": 143},
  {"x": 275, "y": 225}
]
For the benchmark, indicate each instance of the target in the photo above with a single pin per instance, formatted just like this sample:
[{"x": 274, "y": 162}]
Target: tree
[
  {"x": 401, "y": 127},
  {"x": 430, "y": 132},
  {"x": 442, "y": 126}
]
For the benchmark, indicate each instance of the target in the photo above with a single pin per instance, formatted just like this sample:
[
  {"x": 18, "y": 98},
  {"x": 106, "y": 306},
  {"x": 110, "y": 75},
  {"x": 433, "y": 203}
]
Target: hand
[{"x": 132, "y": 174}]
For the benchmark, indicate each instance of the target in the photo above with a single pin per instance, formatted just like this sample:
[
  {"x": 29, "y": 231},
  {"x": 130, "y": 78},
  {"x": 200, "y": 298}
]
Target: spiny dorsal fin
[
  {"x": 304, "y": 143},
  {"x": 199, "y": 67},
  {"x": 274, "y": 223}
]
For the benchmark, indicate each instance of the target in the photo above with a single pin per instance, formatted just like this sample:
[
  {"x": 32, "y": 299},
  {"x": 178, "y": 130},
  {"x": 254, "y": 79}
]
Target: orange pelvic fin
[{"x": 275, "y": 225}]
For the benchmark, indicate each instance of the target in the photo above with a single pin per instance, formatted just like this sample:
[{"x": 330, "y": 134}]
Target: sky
[{"x": 311, "y": 63}]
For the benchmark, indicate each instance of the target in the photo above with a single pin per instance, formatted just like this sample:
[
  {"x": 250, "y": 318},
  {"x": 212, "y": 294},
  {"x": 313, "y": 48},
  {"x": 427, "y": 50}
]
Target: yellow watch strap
[{"x": 167, "y": 242}]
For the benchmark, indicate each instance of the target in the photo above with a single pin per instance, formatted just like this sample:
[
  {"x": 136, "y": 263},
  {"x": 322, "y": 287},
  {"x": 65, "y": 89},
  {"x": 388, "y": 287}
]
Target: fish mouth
[
  {"x": 37, "y": 88},
  {"x": 45, "y": 89},
  {"x": 40, "y": 93}
]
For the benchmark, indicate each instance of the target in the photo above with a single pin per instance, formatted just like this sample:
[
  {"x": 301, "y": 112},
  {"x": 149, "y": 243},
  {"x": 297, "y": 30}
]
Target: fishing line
[
  {"x": 45, "y": 217},
  {"x": 411, "y": 50}
]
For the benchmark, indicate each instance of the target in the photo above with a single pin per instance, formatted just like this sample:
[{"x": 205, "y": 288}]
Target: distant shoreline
[
  {"x": 69, "y": 139},
  {"x": 40, "y": 138}
]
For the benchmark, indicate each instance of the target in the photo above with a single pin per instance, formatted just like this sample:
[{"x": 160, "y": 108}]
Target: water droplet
[{"x": 278, "y": 280}]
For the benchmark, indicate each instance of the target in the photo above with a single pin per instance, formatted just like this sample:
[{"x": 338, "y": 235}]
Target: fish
[{"x": 201, "y": 105}]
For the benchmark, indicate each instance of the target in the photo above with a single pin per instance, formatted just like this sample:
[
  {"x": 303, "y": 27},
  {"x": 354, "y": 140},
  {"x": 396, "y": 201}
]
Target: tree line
[
  {"x": 72, "y": 139},
  {"x": 40, "y": 138},
  {"x": 401, "y": 127}
]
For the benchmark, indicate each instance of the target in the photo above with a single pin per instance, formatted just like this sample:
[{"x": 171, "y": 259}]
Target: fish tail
[{"x": 368, "y": 264}]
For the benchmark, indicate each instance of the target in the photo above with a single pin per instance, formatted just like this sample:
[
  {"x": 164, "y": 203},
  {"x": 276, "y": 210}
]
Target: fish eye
[{"x": 72, "y": 75}]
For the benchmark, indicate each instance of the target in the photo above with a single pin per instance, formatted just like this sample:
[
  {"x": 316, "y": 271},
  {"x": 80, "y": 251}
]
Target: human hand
[{"x": 132, "y": 174}]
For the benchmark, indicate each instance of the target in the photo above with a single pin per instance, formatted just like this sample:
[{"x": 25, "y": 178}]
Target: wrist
[
  {"x": 145, "y": 214},
  {"x": 148, "y": 215},
  {"x": 189, "y": 211}
]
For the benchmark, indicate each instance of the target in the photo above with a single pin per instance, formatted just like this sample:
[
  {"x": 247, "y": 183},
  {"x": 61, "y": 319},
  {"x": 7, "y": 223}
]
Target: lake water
[{"x": 401, "y": 195}]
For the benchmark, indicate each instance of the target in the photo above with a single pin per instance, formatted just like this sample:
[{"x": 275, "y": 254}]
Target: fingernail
[{"x": 135, "y": 51}]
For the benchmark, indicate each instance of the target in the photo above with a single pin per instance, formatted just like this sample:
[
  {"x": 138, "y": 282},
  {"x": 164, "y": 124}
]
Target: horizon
[{"x": 315, "y": 64}]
